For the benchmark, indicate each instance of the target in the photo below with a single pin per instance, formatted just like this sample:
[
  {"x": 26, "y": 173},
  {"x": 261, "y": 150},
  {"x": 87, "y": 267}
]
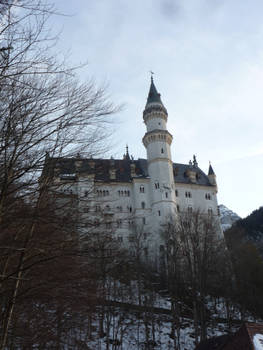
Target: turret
[
  {"x": 211, "y": 175},
  {"x": 157, "y": 142}
]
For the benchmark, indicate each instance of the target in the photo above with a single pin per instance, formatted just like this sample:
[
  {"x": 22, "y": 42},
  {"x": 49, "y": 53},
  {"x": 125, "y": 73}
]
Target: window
[
  {"x": 143, "y": 205},
  {"x": 119, "y": 208},
  {"x": 208, "y": 196},
  {"x": 176, "y": 193},
  {"x": 188, "y": 194},
  {"x": 120, "y": 239},
  {"x": 119, "y": 223},
  {"x": 131, "y": 238},
  {"x": 108, "y": 225},
  {"x": 107, "y": 208},
  {"x": 210, "y": 211},
  {"x": 166, "y": 195},
  {"x": 86, "y": 193},
  {"x": 162, "y": 150},
  {"x": 178, "y": 208},
  {"x": 122, "y": 193},
  {"x": 143, "y": 221},
  {"x": 157, "y": 185},
  {"x": 142, "y": 189},
  {"x": 190, "y": 209},
  {"x": 159, "y": 213}
]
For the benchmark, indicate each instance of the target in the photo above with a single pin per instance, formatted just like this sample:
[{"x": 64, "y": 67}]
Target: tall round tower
[{"x": 157, "y": 142}]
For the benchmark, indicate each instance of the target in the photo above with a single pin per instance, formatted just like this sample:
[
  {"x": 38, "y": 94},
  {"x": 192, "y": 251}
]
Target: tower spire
[{"x": 153, "y": 96}]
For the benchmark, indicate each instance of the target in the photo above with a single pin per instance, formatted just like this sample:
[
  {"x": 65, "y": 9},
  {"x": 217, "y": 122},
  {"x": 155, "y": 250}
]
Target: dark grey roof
[
  {"x": 153, "y": 95},
  {"x": 211, "y": 170},
  {"x": 68, "y": 168},
  {"x": 181, "y": 170}
]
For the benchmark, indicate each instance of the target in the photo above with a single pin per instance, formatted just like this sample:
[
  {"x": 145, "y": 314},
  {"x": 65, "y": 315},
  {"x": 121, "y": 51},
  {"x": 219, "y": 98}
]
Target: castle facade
[{"x": 119, "y": 194}]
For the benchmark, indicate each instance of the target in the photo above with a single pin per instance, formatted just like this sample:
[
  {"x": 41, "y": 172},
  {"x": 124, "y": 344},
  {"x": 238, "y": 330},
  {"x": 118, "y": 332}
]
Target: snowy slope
[{"x": 227, "y": 217}]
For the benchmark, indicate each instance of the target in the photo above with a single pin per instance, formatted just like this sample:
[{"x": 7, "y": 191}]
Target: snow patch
[{"x": 258, "y": 341}]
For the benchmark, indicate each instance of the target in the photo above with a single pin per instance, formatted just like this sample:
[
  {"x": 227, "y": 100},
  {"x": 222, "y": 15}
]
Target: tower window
[
  {"x": 188, "y": 194},
  {"x": 166, "y": 195},
  {"x": 159, "y": 213},
  {"x": 143, "y": 205},
  {"x": 162, "y": 150},
  {"x": 142, "y": 189},
  {"x": 208, "y": 196},
  {"x": 176, "y": 193},
  {"x": 157, "y": 185}
]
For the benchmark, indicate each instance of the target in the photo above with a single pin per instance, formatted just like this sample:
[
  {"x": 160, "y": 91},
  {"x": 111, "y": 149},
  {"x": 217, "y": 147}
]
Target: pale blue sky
[{"x": 207, "y": 56}]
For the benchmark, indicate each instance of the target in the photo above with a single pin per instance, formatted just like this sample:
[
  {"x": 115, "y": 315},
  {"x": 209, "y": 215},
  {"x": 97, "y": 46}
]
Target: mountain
[{"x": 227, "y": 217}]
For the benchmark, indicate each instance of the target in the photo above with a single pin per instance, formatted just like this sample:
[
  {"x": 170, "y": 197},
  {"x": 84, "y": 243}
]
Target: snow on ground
[{"x": 258, "y": 341}]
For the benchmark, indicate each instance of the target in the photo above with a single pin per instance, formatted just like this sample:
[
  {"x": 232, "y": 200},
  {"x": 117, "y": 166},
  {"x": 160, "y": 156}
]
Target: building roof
[
  {"x": 154, "y": 101},
  {"x": 67, "y": 168},
  {"x": 211, "y": 170},
  {"x": 153, "y": 96},
  {"x": 248, "y": 337}
]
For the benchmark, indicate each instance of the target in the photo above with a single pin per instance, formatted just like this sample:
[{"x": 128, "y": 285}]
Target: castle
[{"x": 118, "y": 194}]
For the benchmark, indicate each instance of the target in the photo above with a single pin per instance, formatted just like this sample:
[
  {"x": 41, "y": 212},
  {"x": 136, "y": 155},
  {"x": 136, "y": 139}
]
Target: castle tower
[{"x": 157, "y": 142}]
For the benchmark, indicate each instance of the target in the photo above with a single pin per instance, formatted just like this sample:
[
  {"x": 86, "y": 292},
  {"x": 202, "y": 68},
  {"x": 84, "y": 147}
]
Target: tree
[
  {"x": 44, "y": 110},
  {"x": 192, "y": 243}
]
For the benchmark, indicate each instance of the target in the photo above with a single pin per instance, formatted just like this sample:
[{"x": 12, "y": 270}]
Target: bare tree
[{"x": 44, "y": 110}]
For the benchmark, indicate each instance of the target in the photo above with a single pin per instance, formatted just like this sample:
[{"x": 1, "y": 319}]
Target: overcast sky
[{"x": 207, "y": 56}]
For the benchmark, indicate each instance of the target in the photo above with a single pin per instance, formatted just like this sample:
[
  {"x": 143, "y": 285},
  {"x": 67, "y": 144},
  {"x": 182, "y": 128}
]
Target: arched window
[
  {"x": 159, "y": 212},
  {"x": 143, "y": 205},
  {"x": 157, "y": 185},
  {"x": 166, "y": 194},
  {"x": 142, "y": 189}
]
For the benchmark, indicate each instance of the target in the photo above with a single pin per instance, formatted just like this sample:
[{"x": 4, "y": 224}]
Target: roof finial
[
  {"x": 127, "y": 156},
  {"x": 195, "y": 161},
  {"x": 152, "y": 73}
]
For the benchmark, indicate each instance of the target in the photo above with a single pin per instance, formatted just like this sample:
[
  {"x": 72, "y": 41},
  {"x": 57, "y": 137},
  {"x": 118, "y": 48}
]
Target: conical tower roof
[
  {"x": 211, "y": 170},
  {"x": 153, "y": 96},
  {"x": 154, "y": 99}
]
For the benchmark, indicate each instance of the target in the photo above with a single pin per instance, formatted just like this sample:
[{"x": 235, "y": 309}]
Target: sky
[{"x": 207, "y": 59}]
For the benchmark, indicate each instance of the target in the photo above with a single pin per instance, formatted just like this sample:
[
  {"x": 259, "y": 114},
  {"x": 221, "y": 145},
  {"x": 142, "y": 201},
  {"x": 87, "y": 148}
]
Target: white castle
[{"x": 117, "y": 194}]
